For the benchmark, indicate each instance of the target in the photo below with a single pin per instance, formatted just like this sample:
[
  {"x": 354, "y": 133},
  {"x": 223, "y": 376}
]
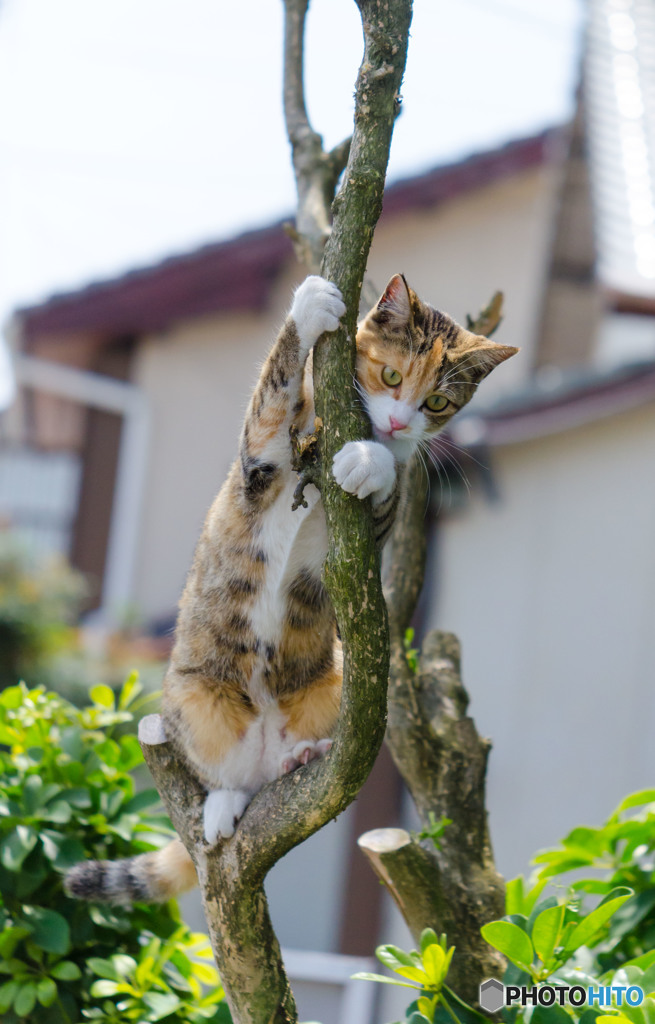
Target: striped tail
[{"x": 148, "y": 878}]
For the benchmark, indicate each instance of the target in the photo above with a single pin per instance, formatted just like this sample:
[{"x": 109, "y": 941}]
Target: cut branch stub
[
  {"x": 410, "y": 874},
  {"x": 443, "y": 761}
]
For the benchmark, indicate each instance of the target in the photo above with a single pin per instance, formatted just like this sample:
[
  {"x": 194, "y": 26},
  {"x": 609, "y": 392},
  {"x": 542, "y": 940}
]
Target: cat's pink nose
[{"x": 395, "y": 424}]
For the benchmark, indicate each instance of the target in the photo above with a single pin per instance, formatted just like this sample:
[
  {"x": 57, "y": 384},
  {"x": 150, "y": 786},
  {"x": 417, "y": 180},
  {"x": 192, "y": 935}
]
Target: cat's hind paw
[
  {"x": 365, "y": 467},
  {"x": 304, "y": 752},
  {"x": 317, "y": 307},
  {"x": 223, "y": 808}
]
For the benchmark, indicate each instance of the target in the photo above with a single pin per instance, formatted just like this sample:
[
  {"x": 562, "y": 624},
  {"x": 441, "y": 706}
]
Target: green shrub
[
  {"x": 66, "y": 792},
  {"x": 601, "y": 932}
]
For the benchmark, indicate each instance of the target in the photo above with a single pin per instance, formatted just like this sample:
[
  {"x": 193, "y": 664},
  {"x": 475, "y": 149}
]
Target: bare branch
[
  {"x": 310, "y": 165},
  {"x": 409, "y": 873}
]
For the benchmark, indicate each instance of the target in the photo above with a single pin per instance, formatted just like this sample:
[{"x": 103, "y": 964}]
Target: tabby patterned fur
[{"x": 254, "y": 683}]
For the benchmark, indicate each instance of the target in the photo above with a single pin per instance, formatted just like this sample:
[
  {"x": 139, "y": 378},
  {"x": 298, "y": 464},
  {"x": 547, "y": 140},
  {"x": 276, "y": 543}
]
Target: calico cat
[{"x": 254, "y": 683}]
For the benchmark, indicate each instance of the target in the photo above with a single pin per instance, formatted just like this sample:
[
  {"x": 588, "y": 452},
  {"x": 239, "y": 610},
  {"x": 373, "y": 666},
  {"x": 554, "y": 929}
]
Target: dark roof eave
[
  {"x": 237, "y": 274},
  {"x": 557, "y": 413}
]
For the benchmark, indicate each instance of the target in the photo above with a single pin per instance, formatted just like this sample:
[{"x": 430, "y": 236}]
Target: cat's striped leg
[
  {"x": 311, "y": 714},
  {"x": 208, "y": 720},
  {"x": 277, "y": 401}
]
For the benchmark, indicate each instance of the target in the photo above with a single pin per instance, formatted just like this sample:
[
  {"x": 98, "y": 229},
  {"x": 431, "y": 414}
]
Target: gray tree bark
[{"x": 286, "y": 812}]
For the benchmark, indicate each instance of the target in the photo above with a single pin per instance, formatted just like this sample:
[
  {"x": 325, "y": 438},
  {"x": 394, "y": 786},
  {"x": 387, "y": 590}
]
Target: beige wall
[
  {"x": 552, "y": 592},
  {"x": 197, "y": 379},
  {"x": 198, "y": 376}
]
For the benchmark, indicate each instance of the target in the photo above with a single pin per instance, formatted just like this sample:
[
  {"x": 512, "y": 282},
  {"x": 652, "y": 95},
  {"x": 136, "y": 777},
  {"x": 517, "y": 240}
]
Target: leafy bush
[
  {"x": 600, "y": 933},
  {"x": 66, "y": 792},
  {"x": 425, "y": 970}
]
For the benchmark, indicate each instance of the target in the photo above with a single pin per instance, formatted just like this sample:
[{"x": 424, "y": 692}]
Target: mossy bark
[
  {"x": 454, "y": 888},
  {"x": 286, "y": 812}
]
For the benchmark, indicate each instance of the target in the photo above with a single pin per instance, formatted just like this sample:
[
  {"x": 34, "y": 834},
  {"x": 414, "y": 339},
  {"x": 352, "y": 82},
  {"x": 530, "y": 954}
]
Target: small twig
[
  {"x": 305, "y": 461},
  {"x": 488, "y": 319}
]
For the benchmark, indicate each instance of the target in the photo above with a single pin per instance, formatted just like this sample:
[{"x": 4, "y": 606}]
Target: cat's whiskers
[
  {"x": 446, "y": 439},
  {"x": 421, "y": 459},
  {"x": 424, "y": 446},
  {"x": 455, "y": 464}
]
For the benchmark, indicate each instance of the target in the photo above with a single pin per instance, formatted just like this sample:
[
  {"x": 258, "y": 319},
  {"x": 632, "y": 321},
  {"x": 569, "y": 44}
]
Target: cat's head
[{"x": 416, "y": 367}]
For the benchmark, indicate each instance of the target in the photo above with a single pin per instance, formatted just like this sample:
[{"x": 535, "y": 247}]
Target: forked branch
[{"x": 286, "y": 812}]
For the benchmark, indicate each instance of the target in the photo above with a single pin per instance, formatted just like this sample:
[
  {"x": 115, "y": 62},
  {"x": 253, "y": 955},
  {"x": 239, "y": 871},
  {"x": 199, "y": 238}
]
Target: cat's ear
[
  {"x": 478, "y": 359},
  {"x": 394, "y": 307}
]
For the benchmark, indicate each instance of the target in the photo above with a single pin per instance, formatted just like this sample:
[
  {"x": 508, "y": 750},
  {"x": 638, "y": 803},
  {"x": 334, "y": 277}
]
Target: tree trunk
[{"x": 286, "y": 812}]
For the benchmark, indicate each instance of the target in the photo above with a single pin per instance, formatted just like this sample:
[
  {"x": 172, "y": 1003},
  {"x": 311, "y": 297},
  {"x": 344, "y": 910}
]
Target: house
[
  {"x": 140, "y": 385},
  {"x": 557, "y": 628}
]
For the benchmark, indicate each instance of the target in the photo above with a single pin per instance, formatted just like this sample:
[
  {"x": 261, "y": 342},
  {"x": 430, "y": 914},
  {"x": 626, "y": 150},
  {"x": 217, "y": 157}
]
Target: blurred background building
[{"x": 131, "y": 392}]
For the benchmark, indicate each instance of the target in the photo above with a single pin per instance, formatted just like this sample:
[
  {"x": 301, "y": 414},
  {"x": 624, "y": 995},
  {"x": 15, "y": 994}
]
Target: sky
[{"x": 134, "y": 129}]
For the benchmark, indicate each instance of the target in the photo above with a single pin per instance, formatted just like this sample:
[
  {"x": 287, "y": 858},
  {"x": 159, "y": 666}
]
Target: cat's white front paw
[
  {"x": 303, "y": 752},
  {"x": 223, "y": 808},
  {"x": 365, "y": 467},
  {"x": 317, "y": 306}
]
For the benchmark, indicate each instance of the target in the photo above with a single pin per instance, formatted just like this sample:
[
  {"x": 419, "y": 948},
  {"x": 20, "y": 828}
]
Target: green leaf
[
  {"x": 130, "y": 753},
  {"x": 546, "y": 932},
  {"x": 531, "y": 897},
  {"x": 146, "y": 798},
  {"x": 7, "y": 993},
  {"x": 594, "y": 921},
  {"x": 46, "y": 991},
  {"x": 428, "y": 938},
  {"x": 105, "y": 988},
  {"x": 123, "y": 965},
  {"x": 536, "y": 910},
  {"x": 25, "y": 999},
  {"x": 365, "y": 976},
  {"x": 111, "y": 802},
  {"x": 514, "y": 896},
  {"x": 50, "y": 930},
  {"x": 15, "y": 847},
  {"x": 103, "y": 695},
  {"x": 32, "y": 791},
  {"x": 644, "y": 961},
  {"x": 60, "y": 813},
  {"x": 63, "y": 851},
  {"x": 207, "y": 974},
  {"x": 161, "y": 1004},
  {"x": 434, "y": 960},
  {"x": 393, "y": 956},
  {"x": 103, "y": 968},
  {"x": 414, "y": 974},
  {"x": 642, "y": 796},
  {"x": 628, "y": 917},
  {"x": 66, "y": 970},
  {"x": 586, "y": 841},
  {"x": 12, "y": 697},
  {"x": 427, "y": 1006},
  {"x": 511, "y": 941},
  {"x": 78, "y": 796},
  {"x": 129, "y": 691},
  {"x": 10, "y": 939}
]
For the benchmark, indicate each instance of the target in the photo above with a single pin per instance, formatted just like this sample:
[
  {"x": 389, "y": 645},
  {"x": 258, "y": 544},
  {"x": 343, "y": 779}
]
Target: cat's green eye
[
  {"x": 391, "y": 376},
  {"x": 437, "y": 403}
]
